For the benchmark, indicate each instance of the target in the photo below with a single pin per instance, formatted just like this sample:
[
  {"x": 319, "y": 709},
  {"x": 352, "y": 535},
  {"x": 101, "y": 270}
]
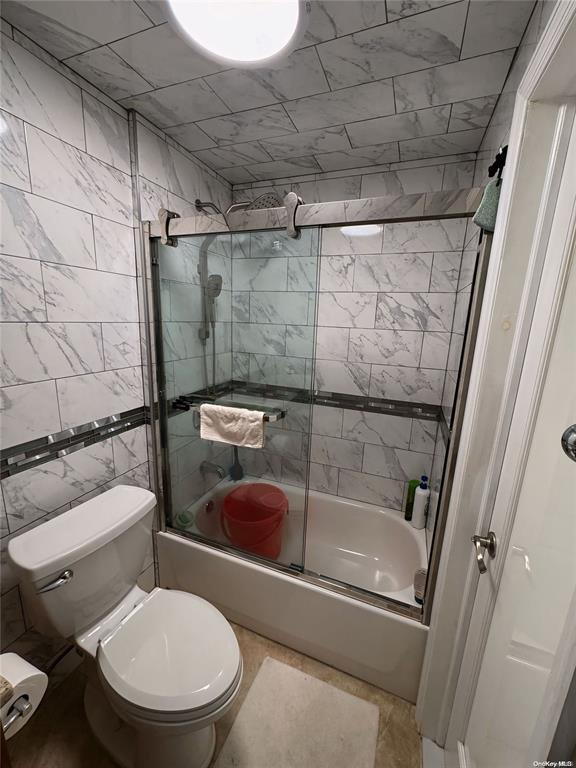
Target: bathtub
[
  {"x": 350, "y": 542},
  {"x": 363, "y": 545}
]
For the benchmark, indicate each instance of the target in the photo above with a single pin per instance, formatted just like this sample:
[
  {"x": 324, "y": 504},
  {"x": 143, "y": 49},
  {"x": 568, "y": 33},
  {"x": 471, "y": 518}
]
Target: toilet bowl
[
  {"x": 169, "y": 670},
  {"x": 162, "y": 667},
  {"x": 174, "y": 653}
]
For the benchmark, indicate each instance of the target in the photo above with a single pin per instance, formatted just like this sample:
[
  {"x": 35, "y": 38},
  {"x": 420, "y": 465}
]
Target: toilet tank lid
[{"x": 62, "y": 541}]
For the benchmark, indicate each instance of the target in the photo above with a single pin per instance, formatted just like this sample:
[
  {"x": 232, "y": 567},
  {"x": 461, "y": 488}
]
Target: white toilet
[{"x": 162, "y": 666}]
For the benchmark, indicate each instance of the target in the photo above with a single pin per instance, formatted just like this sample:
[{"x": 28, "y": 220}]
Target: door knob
[
  {"x": 484, "y": 544},
  {"x": 569, "y": 442}
]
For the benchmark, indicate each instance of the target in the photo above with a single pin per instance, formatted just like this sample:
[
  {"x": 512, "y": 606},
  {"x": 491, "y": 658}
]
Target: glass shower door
[
  {"x": 393, "y": 302},
  {"x": 235, "y": 326}
]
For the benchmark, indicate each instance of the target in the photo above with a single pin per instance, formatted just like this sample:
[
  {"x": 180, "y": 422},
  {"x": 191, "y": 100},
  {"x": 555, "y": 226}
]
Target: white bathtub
[
  {"x": 355, "y": 543},
  {"x": 351, "y": 542},
  {"x": 363, "y": 545}
]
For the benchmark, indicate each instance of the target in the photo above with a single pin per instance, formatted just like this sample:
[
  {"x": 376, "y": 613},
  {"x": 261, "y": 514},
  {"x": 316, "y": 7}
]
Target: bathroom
[{"x": 285, "y": 338}]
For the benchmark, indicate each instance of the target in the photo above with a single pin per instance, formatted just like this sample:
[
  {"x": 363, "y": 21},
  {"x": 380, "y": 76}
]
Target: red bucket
[{"x": 253, "y": 518}]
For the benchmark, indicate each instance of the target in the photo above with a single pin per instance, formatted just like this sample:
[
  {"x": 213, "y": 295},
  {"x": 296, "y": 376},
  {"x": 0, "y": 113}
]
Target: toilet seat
[{"x": 173, "y": 658}]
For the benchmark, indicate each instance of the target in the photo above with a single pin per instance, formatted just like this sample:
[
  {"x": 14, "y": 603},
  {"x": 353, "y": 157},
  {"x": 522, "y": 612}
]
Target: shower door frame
[{"x": 406, "y": 208}]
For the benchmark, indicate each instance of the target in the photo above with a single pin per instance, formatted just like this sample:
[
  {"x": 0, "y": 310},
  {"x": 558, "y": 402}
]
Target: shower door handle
[{"x": 484, "y": 544}]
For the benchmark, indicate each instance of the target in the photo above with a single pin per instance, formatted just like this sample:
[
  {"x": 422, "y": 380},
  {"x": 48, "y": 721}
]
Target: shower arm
[{"x": 202, "y": 207}]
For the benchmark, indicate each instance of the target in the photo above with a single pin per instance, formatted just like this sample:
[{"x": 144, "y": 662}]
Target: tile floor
[{"x": 59, "y": 736}]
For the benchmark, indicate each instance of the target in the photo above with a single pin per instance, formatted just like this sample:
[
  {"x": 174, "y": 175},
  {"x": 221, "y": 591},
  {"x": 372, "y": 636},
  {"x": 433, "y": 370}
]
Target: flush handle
[
  {"x": 64, "y": 578},
  {"x": 484, "y": 544}
]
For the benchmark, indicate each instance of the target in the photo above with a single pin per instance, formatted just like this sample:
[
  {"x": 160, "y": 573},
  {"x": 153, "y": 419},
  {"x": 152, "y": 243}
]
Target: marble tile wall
[
  {"x": 498, "y": 129},
  {"x": 375, "y": 81},
  {"x": 274, "y": 307},
  {"x": 181, "y": 313},
  {"x": 170, "y": 177},
  {"x": 70, "y": 336},
  {"x": 70, "y": 341},
  {"x": 369, "y": 176},
  {"x": 70, "y": 317},
  {"x": 386, "y": 308}
]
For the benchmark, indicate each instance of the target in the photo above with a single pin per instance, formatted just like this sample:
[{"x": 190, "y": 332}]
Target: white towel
[{"x": 236, "y": 426}]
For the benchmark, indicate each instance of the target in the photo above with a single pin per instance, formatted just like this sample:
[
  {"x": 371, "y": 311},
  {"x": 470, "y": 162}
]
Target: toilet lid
[{"x": 174, "y": 652}]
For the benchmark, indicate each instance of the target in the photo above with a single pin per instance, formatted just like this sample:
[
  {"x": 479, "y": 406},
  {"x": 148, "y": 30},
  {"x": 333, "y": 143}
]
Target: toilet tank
[{"x": 104, "y": 543}]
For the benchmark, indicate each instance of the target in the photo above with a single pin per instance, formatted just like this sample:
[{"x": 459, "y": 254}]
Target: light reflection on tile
[{"x": 14, "y": 161}]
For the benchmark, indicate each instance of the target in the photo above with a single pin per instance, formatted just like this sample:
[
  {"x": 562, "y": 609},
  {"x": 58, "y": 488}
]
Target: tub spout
[{"x": 209, "y": 466}]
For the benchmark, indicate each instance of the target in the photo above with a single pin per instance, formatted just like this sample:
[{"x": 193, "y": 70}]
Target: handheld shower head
[
  {"x": 212, "y": 290},
  {"x": 213, "y": 286}
]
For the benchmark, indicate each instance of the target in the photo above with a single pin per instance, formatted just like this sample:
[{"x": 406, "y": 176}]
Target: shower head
[
  {"x": 268, "y": 200},
  {"x": 213, "y": 286}
]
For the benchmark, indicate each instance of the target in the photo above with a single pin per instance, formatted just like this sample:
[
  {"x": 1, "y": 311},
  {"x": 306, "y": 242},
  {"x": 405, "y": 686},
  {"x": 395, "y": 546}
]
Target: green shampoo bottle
[{"x": 412, "y": 485}]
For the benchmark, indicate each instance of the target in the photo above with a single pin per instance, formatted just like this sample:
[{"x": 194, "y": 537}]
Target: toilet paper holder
[
  {"x": 22, "y": 688},
  {"x": 20, "y": 708}
]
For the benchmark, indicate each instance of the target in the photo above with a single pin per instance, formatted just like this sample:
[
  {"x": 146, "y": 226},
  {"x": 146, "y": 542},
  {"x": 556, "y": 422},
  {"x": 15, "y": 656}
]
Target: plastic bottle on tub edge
[{"x": 421, "y": 497}]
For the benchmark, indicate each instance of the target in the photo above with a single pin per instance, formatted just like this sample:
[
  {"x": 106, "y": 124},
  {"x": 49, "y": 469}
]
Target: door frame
[
  {"x": 539, "y": 138},
  {"x": 537, "y": 335}
]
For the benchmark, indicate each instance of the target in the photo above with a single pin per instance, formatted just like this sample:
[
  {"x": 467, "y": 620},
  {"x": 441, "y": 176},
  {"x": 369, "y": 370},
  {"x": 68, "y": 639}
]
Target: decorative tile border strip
[
  {"x": 19, "y": 458},
  {"x": 291, "y": 394},
  {"x": 379, "y": 405},
  {"x": 444, "y": 427},
  {"x": 458, "y": 203}
]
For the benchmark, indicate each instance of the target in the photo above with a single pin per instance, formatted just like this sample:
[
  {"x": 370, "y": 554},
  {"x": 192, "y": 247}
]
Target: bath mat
[{"x": 292, "y": 720}]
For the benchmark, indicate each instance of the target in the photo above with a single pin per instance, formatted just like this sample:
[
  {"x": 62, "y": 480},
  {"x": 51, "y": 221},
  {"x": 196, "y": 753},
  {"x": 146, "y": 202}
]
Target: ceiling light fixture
[{"x": 241, "y": 33}]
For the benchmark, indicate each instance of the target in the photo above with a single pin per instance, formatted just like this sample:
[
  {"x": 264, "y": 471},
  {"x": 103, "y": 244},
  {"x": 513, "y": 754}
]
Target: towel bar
[{"x": 271, "y": 415}]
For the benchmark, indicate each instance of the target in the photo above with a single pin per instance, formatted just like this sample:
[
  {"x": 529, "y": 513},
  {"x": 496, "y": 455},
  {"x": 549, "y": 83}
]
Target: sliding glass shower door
[{"x": 235, "y": 319}]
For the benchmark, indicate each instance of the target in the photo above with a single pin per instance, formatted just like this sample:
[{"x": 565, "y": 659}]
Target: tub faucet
[{"x": 209, "y": 466}]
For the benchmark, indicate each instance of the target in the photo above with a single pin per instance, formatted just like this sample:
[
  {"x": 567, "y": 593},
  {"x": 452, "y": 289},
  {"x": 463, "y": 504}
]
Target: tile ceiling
[{"x": 371, "y": 83}]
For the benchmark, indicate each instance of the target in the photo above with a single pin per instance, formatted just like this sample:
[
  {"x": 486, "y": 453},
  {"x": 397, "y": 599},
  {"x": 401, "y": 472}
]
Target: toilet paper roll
[{"x": 25, "y": 680}]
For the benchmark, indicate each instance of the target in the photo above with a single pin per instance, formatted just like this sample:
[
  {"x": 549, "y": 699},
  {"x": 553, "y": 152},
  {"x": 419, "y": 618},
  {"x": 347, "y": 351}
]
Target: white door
[{"x": 533, "y": 629}]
